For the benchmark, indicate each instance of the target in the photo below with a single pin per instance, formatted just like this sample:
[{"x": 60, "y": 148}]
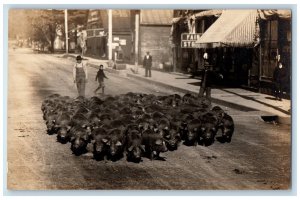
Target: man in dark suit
[
  {"x": 147, "y": 63},
  {"x": 279, "y": 78},
  {"x": 208, "y": 77}
]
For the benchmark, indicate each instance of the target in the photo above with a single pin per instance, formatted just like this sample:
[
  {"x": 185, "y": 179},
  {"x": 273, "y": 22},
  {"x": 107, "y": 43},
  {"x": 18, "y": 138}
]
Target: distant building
[
  {"x": 154, "y": 31},
  {"x": 155, "y": 28},
  {"x": 97, "y": 34}
]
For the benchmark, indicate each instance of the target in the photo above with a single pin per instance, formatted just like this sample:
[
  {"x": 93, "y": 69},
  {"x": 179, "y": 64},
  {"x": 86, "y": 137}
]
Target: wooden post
[
  {"x": 174, "y": 58},
  {"x": 66, "y": 31},
  {"x": 109, "y": 34},
  {"x": 136, "y": 50},
  {"x": 260, "y": 68}
]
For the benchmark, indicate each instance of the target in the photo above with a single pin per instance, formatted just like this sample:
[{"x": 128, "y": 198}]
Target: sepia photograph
[{"x": 149, "y": 99}]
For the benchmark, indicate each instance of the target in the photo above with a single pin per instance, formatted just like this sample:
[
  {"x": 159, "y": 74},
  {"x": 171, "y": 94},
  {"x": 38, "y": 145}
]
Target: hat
[{"x": 78, "y": 58}]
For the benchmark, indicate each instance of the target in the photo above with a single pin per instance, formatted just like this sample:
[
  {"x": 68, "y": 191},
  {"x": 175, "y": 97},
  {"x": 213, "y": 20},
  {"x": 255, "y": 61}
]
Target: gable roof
[{"x": 156, "y": 17}]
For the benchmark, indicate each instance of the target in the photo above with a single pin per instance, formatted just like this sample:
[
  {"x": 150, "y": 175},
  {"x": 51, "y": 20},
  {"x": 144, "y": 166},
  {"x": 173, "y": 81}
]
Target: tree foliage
[{"x": 45, "y": 25}]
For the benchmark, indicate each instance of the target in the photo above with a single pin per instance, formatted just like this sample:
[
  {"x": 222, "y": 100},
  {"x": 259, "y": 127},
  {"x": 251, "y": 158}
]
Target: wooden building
[
  {"x": 242, "y": 44},
  {"x": 154, "y": 31},
  {"x": 122, "y": 32}
]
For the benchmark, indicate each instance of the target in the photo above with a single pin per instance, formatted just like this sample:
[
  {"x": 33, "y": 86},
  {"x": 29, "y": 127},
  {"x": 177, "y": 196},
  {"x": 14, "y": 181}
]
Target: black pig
[
  {"x": 115, "y": 142},
  {"x": 134, "y": 146},
  {"x": 227, "y": 127},
  {"x": 154, "y": 144}
]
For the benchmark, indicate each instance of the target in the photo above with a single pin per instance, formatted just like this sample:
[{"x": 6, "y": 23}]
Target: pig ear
[
  {"x": 130, "y": 148},
  {"x": 93, "y": 141},
  {"x": 84, "y": 137},
  {"x": 202, "y": 129},
  {"x": 119, "y": 143},
  {"x": 72, "y": 138},
  {"x": 158, "y": 142},
  {"x": 68, "y": 128},
  {"x": 195, "y": 129},
  {"x": 143, "y": 148},
  {"x": 104, "y": 140},
  {"x": 178, "y": 136},
  {"x": 53, "y": 120}
]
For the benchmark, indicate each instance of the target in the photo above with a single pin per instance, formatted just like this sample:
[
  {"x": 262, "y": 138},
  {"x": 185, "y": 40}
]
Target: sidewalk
[{"x": 237, "y": 98}]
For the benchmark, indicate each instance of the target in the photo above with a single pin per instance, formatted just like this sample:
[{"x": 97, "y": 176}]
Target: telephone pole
[
  {"x": 66, "y": 31},
  {"x": 137, "y": 23},
  {"x": 109, "y": 34}
]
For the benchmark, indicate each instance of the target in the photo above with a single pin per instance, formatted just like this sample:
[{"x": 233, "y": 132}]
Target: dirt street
[{"x": 259, "y": 156}]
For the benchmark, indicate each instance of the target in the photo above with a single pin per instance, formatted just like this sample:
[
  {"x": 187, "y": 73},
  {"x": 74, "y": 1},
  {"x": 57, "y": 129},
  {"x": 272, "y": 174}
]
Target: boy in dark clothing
[{"x": 100, "y": 77}]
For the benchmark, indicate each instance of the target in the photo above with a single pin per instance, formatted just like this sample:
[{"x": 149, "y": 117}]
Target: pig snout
[
  {"x": 190, "y": 136},
  {"x": 208, "y": 136},
  {"x": 113, "y": 150},
  {"x": 163, "y": 147},
  {"x": 77, "y": 143},
  {"x": 98, "y": 148},
  {"x": 136, "y": 153}
]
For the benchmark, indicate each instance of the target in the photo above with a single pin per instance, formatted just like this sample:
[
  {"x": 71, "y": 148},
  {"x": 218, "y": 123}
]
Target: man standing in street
[
  {"x": 279, "y": 76},
  {"x": 208, "y": 77},
  {"x": 82, "y": 43},
  {"x": 147, "y": 63},
  {"x": 80, "y": 76}
]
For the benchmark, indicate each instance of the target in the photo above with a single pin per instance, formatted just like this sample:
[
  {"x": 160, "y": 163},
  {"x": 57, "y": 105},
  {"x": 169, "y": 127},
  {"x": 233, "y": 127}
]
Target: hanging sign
[{"x": 188, "y": 39}]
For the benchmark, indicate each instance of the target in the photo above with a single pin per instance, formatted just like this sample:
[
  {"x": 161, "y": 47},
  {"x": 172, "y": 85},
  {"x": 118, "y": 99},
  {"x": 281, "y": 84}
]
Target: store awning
[
  {"x": 209, "y": 13},
  {"x": 234, "y": 28},
  {"x": 269, "y": 14}
]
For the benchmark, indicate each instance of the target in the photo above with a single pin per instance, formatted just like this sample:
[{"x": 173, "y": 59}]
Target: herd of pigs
[{"x": 134, "y": 125}]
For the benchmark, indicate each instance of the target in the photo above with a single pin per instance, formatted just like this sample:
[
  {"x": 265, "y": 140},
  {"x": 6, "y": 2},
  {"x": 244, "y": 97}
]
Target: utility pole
[
  {"x": 137, "y": 23},
  {"x": 66, "y": 31},
  {"x": 109, "y": 34}
]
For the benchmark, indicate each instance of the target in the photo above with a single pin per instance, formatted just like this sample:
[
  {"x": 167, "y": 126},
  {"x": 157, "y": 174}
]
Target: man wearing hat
[
  {"x": 147, "y": 63},
  {"x": 80, "y": 76}
]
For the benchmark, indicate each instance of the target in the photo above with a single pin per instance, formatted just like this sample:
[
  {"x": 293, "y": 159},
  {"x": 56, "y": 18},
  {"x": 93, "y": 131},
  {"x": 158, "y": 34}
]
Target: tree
[
  {"x": 75, "y": 18},
  {"x": 45, "y": 24}
]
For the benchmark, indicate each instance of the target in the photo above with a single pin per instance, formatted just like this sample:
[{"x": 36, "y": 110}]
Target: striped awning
[
  {"x": 269, "y": 14},
  {"x": 234, "y": 28},
  {"x": 209, "y": 13}
]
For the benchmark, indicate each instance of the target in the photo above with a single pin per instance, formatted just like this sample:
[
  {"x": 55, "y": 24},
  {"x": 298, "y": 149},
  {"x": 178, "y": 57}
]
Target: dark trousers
[
  {"x": 278, "y": 90},
  {"x": 148, "y": 71},
  {"x": 207, "y": 91},
  {"x": 101, "y": 85}
]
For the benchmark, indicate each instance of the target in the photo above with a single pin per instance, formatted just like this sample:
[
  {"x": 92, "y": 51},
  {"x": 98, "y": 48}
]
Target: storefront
[
  {"x": 97, "y": 29},
  {"x": 188, "y": 58},
  {"x": 244, "y": 45}
]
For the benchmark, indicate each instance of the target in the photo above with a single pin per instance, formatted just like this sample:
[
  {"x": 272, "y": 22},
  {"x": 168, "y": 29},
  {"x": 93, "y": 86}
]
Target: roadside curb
[{"x": 281, "y": 119}]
